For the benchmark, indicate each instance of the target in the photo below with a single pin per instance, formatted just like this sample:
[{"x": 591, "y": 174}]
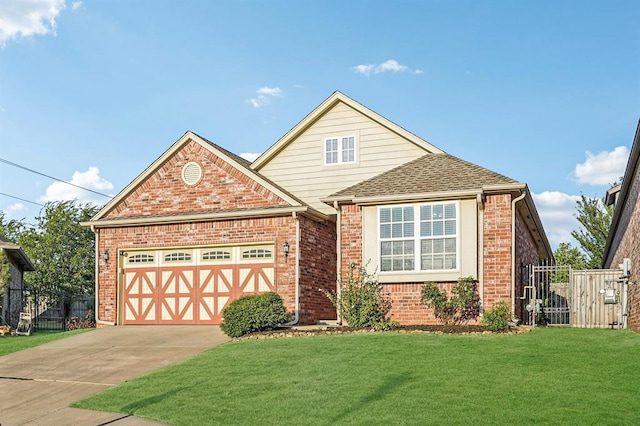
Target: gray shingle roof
[{"x": 427, "y": 174}]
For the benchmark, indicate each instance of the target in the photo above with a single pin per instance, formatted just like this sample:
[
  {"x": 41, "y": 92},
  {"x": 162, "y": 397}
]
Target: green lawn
[
  {"x": 549, "y": 376},
  {"x": 10, "y": 344}
]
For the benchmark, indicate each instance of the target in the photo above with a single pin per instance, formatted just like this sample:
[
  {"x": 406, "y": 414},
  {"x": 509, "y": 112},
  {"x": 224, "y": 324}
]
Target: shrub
[
  {"x": 497, "y": 318},
  {"x": 252, "y": 313},
  {"x": 462, "y": 306},
  {"x": 361, "y": 302}
]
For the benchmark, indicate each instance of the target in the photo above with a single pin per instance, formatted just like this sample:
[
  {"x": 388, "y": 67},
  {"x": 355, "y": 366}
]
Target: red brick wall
[
  {"x": 526, "y": 253},
  {"x": 497, "y": 250},
  {"x": 222, "y": 187},
  {"x": 278, "y": 230},
  {"x": 406, "y": 296},
  {"x": 626, "y": 243},
  {"x": 351, "y": 236},
  {"x": 317, "y": 269}
]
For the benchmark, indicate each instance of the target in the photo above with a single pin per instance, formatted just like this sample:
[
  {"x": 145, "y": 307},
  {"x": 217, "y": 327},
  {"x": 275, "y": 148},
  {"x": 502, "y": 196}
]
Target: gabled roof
[
  {"x": 622, "y": 198},
  {"x": 431, "y": 173},
  {"x": 236, "y": 161},
  {"x": 321, "y": 110},
  {"x": 16, "y": 253}
]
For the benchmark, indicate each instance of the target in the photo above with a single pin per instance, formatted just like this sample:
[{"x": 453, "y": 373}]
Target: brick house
[
  {"x": 624, "y": 234},
  {"x": 202, "y": 226}
]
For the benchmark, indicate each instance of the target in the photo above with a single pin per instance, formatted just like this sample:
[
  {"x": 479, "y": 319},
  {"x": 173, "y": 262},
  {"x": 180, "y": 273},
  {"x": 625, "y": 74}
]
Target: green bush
[
  {"x": 361, "y": 302},
  {"x": 252, "y": 313},
  {"x": 497, "y": 318},
  {"x": 462, "y": 306}
]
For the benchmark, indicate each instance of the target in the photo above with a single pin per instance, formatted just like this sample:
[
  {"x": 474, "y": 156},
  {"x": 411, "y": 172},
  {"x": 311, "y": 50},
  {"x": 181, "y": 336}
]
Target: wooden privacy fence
[{"x": 559, "y": 295}]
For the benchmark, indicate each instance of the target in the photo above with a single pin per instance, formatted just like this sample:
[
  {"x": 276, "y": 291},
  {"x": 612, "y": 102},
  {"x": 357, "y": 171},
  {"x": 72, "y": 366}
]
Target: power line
[
  {"x": 51, "y": 177},
  {"x": 21, "y": 199}
]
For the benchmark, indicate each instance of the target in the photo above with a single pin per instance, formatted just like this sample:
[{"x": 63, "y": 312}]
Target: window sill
[{"x": 422, "y": 276}]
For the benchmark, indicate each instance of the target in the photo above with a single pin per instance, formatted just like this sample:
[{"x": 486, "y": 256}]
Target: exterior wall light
[
  {"x": 105, "y": 256},
  {"x": 285, "y": 249}
]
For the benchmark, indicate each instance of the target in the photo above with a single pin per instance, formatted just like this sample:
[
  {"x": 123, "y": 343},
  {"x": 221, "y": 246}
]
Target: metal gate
[{"x": 560, "y": 295}]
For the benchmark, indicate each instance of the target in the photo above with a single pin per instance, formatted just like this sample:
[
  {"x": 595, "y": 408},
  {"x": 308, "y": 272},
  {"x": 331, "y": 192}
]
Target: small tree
[
  {"x": 595, "y": 219},
  {"x": 361, "y": 302},
  {"x": 461, "y": 307}
]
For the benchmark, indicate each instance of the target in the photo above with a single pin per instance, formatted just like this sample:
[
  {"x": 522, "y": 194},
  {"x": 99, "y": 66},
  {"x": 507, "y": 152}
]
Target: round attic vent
[{"x": 191, "y": 173}]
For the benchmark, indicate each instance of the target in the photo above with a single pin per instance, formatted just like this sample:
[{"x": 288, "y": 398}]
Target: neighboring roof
[
  {"x": 322, "y": 109},
  {"x": 622, "y": 197},
  {"x": 229, "y": 157},
  {"x": 16, "y": 253},
  {"x": 431, "y": 173},
  {"x": 612, "y": 195}
]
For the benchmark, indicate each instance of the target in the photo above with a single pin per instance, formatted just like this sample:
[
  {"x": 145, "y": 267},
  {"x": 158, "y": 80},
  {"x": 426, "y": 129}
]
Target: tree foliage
[
  {"x": 62, "y": 250},
  {"x": 567, "y": 255},
  {"x": 595, "y": 219}
]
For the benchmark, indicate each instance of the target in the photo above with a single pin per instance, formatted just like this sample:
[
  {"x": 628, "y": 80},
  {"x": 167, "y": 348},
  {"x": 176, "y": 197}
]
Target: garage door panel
[
  {"x": 255, "y": 279},
  {"x": 176, "y": 295},
  {"x": 139, "y": 296},
  {"x": 214, "y": 290}
]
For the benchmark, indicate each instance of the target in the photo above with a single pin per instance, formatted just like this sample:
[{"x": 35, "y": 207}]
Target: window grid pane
[
  {"x": 437, "y": 240},
  {"x": 438, "y": 232}
]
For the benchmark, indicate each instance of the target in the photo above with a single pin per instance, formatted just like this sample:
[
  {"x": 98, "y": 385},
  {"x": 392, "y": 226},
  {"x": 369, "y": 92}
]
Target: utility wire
[
  {"x": 21, "y": 199},
  {"x": 51, "y": 177}
]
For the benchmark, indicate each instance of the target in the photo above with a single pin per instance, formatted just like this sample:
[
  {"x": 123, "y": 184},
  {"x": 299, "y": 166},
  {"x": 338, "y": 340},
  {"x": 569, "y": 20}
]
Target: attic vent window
[{"x": 191, "y": 173}]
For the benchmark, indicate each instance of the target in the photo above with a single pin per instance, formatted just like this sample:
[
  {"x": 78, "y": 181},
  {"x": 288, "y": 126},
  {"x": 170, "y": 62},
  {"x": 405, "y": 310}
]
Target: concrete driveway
[{"x": 38, "y": 384}]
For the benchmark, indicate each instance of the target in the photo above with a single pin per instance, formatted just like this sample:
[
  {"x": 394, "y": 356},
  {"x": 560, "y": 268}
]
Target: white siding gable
[{"x": 300, "y": 166}]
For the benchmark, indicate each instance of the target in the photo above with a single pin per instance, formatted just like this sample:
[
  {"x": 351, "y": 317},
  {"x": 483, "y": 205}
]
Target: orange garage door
[{"x": 191, "y": 286}]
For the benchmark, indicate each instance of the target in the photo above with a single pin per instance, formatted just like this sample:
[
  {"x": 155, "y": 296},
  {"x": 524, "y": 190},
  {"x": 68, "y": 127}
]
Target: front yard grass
[
  {"x": 10, "y": 344},
  {"x": 548, "y": 376}
]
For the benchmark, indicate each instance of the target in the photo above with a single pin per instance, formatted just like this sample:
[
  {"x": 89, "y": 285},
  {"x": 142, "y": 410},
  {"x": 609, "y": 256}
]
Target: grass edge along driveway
[
  {"x": 548, "y": 376},
  {"x": 11, "y": 344}
]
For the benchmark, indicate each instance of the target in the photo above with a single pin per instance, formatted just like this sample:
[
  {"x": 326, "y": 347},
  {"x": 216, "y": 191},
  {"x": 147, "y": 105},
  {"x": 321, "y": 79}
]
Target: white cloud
[
  {"x": 24, "y": 18},
  {"x": 390, "y": 65},
  {"x": 91, "y": 179},
  {"x": 17, "y": 207},
  {"x": 264, "y": 96},
  {"x": 604, "y": 168},
  {"x": 557, "y": 211},
  {"x": 270, "y": 91},
  {"x": 76, "y": 5},
  {"x": 250, "y": 156}
]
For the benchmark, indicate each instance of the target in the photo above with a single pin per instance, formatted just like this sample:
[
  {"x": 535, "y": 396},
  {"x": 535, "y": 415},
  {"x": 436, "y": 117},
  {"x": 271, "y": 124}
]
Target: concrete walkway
[{"x": 38, "y": 384}]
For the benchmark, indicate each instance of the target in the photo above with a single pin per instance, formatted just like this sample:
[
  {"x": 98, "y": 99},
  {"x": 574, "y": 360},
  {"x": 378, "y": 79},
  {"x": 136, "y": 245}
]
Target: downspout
[
  {"x": 513, "y": 253},
  {"x": 480, "y": 267},
  {"x": 338, "y": 255},
  {"x": 97, "y": 275},
  {"x": 296, "y": 315}
]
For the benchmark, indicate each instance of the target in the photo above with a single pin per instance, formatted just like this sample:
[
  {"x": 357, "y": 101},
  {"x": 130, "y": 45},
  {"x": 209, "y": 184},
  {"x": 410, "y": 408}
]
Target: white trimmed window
[
  {"x": 340, "y": 150},
  {"x": 421, "y": 237}
]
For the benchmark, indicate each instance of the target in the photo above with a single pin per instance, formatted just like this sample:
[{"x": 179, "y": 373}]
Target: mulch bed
[{"x": 414, "y": 329}]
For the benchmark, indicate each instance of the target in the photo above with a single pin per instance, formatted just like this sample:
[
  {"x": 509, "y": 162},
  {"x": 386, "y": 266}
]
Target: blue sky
[{"x": 92, "y": 92}]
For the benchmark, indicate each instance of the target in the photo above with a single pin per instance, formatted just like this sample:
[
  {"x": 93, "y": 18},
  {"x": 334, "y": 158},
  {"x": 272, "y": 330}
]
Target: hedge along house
[{"x": 202, "y": 226}]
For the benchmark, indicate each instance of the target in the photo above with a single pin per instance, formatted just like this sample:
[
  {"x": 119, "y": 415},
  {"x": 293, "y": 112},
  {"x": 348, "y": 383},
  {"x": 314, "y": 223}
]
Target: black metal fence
[{"x": 56, "y": 312}]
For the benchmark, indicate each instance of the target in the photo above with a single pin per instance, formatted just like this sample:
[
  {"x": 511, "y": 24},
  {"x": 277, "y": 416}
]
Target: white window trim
[
  {"x": 417, "y": 238},
  {"x": 340, "y": 150}
]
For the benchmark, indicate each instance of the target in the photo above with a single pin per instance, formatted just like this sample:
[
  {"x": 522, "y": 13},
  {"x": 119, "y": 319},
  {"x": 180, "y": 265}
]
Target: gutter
[
  {"x": 336, "y": 206},
  {"x": 296, "y": 315},
  {"x": 513, "y": 252},
  {"x": 480, "y": 247}
]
